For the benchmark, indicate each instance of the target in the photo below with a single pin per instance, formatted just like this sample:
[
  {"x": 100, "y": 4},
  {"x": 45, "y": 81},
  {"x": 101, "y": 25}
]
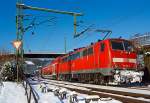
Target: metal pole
[
  {"x": 19, "y": 32},
  {"x": 23, "y": 6},
  {"x": 75, "y": 24},
  {"x": 17, "y": 66}
]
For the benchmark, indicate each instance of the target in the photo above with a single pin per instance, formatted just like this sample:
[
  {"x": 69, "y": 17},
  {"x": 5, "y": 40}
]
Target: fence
[{"x": 30, "y": 92}]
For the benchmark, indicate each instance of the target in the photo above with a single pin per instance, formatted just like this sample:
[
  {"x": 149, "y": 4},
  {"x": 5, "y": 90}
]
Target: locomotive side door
[
  {"x": 104, "y": 58},
  {"x": 69, "y": 66},
  {"x": 102, "y": 55}
]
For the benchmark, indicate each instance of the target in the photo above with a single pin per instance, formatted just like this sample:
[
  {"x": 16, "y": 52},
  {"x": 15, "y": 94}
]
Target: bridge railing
[{"x": 31, "y": 94}]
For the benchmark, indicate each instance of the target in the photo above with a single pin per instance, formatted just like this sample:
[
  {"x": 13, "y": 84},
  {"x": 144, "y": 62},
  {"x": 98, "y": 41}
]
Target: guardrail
[{"x": 30, "y": 92}]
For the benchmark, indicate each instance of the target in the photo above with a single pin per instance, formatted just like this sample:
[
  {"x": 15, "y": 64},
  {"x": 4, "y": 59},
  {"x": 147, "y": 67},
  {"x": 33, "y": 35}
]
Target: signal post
[{"x": 17, "y": 44}]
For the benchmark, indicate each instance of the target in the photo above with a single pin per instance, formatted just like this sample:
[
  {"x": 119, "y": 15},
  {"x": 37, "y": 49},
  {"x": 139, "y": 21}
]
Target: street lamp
[{"x": 17, "y": 44}]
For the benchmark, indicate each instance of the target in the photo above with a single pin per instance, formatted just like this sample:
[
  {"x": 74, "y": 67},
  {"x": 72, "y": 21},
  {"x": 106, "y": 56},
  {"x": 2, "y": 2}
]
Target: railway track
[
  {"x": 140, "y": 88},
  {"x": 140, "y": 96}
]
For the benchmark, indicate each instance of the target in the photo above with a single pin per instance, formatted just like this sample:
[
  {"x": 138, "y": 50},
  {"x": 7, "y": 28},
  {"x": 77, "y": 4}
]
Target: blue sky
[{"x": 123, "y": 17}]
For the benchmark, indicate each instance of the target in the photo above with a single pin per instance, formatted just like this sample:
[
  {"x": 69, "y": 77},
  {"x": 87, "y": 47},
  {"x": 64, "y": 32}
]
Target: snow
[
  {"x": 72, "y": 86},
  {"x": 147, "y": 53},
  {"x": 121, "y": 89},
  {"x": 29, "y": 62},
  {"x": 52, "y": 96},
  {"x": 139, "y": 98},
  {"x": 92, "y": 96},
  {"x": 12, "y": 92},
  {"x": 48, "y": 98},
  {"x": 45, "y": 97},
  {"x": 137, "y": 91}
]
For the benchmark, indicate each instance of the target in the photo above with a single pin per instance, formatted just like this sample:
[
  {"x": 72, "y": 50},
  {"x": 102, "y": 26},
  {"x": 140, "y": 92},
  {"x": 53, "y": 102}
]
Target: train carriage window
[
  {"x": 102, "y": 47},
  {"x": 81, "y": 54},
  {"x": 78, "y": 55},
  {"x": 90, "y": 50},
  {"x": 75, "y": 56},
  {"x": 85, "y": 52},
  {"x": 72, "y": 57}
]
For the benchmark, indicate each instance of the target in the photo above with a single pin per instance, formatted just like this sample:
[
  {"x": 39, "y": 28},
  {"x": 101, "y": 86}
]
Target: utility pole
[
  {"x": 20, "y": 33},
  {"x": 19, "y": 20},
  {"x": 25, "y": 7},
  {"x": 19, "y": 27},
  {"x": 20, "y": 30},
  {"x": 17, "y": 45}
]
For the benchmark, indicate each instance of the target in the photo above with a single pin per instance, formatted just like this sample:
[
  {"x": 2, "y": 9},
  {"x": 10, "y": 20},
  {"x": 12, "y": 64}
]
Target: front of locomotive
[{"x": 124, "y": 62}]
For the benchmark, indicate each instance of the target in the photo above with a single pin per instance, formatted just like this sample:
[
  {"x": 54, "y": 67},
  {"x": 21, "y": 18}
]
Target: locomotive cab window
[
  {"x": 102, "y": 48},
  {"x": 128, "y": 46},
  {"x": 117, "y": 45},
  {"x": 122, "y": 45}
]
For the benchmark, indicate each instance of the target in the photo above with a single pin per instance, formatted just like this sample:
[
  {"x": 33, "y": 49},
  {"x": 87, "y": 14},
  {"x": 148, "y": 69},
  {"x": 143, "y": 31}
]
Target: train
[{"x": 109, "y": 61}]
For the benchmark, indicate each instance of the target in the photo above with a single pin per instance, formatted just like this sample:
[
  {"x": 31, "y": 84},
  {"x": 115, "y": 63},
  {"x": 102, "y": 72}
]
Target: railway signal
[{"x": 17, "y": 44}]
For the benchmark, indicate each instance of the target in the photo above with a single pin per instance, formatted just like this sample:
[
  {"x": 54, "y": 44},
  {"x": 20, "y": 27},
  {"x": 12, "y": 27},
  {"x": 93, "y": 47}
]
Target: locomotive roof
[{"x": 82, "y": 48}]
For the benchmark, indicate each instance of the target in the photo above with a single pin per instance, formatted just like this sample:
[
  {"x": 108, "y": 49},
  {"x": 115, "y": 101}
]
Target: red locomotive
[{"x": 106, "y": 61}]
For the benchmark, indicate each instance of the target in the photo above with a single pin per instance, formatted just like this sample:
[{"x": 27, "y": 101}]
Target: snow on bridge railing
[{"x": 30, "y": 92}]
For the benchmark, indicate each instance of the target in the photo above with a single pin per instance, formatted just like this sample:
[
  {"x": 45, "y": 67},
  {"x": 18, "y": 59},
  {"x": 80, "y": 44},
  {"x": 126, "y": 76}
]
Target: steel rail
[
  {"x": 125, "y": 98},
  {"x": 109, "y": 91}
]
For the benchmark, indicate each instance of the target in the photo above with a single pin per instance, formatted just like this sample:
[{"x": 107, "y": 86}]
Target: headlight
[{"x": 117, "y": 71}]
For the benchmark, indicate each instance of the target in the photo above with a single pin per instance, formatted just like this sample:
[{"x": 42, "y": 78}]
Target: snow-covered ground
[
  {"x": 68, "y": 85},
  {"x": 45, "y": 97},
  {"x": 50, "y": 97},
  {"x": 12, "y": 92},
  {"x": 120, "y": 89}
]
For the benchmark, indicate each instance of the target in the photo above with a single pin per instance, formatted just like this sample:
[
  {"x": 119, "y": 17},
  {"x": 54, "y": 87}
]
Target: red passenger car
[{"x": 107, "y": 61}]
